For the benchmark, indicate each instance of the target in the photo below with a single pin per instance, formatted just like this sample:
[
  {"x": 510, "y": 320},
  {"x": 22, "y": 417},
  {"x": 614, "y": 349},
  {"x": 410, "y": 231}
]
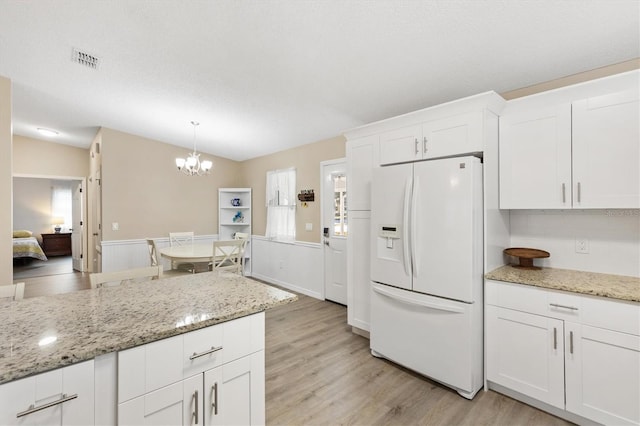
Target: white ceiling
[{"x": 263, "y": 76}]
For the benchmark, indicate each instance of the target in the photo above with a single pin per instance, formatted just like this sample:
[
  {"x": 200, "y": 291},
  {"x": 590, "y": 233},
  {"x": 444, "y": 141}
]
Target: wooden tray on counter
[{"x": 525, "y": 256}]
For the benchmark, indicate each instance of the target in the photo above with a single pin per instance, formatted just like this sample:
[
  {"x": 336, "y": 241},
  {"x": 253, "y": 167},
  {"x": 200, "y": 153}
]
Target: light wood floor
[
  {"x": 319, "y": 373},
  {"x": 54, "y": 276}
]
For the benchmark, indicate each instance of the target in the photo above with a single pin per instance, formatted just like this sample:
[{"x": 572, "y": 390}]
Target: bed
[{"x": 26, "y": 246}]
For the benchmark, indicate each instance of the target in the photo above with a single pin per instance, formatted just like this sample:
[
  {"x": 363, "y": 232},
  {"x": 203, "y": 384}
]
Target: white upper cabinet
[
  {"x": 606, "y": 151},
  {"x": 454, "y": 135},
  {"x": 362, "y": 157},
  {"x": 576, "y": 147},
  {"x": 401, "y": 145},
  {"x": 535, "y": 158},
  {"x": 458, "y": 134}
]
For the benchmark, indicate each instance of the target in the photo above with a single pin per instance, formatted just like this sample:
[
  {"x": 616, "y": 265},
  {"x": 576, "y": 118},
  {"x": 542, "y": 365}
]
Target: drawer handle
[
  {"x": 417, "y": 151},
  {"x": 32, "y": 408},
  {"x": 555, "y": 305},
  {"x": 210, "y": 351}
]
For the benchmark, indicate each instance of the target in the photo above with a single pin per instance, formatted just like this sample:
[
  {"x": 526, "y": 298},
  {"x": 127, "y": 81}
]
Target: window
[
  {"x": 61, "y": 203},
  {"x": 281, "y": 204},
  {"x": 340, "y": 205}
]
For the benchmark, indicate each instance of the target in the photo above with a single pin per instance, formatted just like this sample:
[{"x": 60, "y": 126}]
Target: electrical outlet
[
  {"x": 281, "y": 264},
  {"x": 582, "y": 245}
]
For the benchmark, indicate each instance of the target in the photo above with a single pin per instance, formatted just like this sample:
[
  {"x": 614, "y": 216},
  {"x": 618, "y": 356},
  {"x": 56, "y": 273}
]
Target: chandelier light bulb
[{"x": 192, "y": 166}]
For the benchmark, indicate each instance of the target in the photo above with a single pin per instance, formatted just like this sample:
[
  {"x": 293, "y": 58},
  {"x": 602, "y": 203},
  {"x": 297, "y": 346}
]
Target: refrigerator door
[
  {"x": 390, "y": 207},
  {"x": 436, "y": 337},
  {"x": 447, "y": 228}
]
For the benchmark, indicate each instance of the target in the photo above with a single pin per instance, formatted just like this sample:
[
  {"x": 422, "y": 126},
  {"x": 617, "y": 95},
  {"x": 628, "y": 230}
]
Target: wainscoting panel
[
  {"x": 296, "y": 266},
  {"x": 127, "y": 254}
]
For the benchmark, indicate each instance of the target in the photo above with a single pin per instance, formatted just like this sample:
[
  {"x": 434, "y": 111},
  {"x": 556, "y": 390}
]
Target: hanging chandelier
[{"x": 191, "y": 165}]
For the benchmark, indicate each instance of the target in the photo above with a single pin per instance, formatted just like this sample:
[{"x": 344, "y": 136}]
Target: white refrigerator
[{"x": 427, "y": 269}]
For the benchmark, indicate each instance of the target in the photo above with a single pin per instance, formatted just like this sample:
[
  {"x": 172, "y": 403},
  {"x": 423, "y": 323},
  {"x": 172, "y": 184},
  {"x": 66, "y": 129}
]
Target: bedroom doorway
[{"x": 40, "y": 205}]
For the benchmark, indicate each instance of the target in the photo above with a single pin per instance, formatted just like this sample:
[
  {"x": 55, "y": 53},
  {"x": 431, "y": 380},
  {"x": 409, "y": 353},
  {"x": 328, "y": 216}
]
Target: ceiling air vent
[{"x": 84, "y": 58}]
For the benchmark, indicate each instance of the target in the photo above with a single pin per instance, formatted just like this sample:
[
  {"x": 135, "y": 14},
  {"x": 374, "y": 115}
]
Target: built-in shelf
[{"x": 227, "y": 210}]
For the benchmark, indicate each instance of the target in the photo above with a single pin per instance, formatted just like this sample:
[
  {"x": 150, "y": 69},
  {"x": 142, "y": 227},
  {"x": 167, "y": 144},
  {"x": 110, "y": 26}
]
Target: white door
[
  {"x": 77, "y": 213},
  {"x": 525, "y": 352},
  {"x": 607, "y": 392},
  {"x": 606, "y": 148},
  {"x": 334, "y": 227},
  {"x": 535, "y": 158},
  {"x": 446, "y": 228},
  {"x": 232, "y": 396},
  {"x": 165, "y": 406},
  {"x": 96, "y": 237}
]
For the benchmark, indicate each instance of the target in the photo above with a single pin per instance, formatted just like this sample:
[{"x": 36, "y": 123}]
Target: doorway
[
  {"x": 333, "y": 204},
  {"x": 52, "y": 208}
]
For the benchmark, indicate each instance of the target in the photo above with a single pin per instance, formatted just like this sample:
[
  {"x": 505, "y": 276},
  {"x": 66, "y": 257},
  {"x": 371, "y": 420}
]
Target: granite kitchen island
[{"x": 131, "y": 342}]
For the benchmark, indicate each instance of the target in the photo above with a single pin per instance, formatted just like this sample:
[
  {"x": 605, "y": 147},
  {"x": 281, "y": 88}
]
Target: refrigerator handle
[
  {"x": 405, "y": 227},
  {"x": 414, "y": 224},
  {"x": 443, "y": 306}
]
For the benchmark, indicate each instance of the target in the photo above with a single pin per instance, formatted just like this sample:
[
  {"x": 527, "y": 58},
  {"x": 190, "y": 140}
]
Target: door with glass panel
[{"x": 334, "y": 229}]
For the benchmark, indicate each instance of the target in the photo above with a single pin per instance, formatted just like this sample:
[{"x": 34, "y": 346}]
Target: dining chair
[
  {"x": 227, "y": 255},
  {"x": 13, "y": 291},
  {"x": 245, "y": 238},
  {"x": 178, "y": 239},
  {"x": 153, "y": 259},
  {"x": 128, "y": 275}
]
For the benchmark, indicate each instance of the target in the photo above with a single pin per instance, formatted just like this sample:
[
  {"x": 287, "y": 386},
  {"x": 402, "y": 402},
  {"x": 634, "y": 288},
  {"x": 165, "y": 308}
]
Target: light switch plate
[
  {"x": 115, "y": 226},
  {"x": 308, "y": 226}
]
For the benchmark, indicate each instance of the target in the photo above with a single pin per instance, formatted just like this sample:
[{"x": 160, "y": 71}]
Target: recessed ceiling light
[{"x": 47, "y": 132}]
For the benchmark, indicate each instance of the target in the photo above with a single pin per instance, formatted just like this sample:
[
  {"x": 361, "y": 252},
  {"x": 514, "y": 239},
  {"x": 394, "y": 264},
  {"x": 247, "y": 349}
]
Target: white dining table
[{"x": 192, "y": 253}]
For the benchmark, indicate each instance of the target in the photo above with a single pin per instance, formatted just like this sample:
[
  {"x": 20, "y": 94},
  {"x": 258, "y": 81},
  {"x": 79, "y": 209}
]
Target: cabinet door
[
  {"x": 164, "y": 406},
  {"x": 459, "y": 134},
  {"x": 606, "y": 148},
  {"x": 603, "y": 374},
  {"x": 362, "y": 157},
  {"x": 525, "y": 353},
  {"x": 358, "y": 267},
  {"x": 401, "y": 145},
  {"x": 73, "y": 385},
  {"x": 234, "y": 392},
  {"x": 535, "y": 158}
]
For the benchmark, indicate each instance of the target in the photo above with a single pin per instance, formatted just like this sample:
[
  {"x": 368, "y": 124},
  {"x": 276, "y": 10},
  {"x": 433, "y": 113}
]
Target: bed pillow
[{"x": 22, "y": 234}]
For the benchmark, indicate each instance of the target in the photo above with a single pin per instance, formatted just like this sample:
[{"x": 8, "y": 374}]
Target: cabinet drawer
[
  {"x": 203, "y": 349},
  {"x": 73, "y": 384},
  {"x": 516, "y": 296},
  {"x": 149, "y": 367},
  {"x": 521, "y": 297},
  {"x": 617, "y": 315},
  {"x": 158, "y": 364}
]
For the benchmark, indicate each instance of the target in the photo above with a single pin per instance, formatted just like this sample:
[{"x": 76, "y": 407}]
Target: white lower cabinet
[
  {"x": 603, "y": 374},
  {"x": 206, "y": 377},
  {"x": 234, "y": 392},
  {"x": 578, "y": 353},
  {"x": 525, "y": 353},
  {"x": 62, "y": 397}
]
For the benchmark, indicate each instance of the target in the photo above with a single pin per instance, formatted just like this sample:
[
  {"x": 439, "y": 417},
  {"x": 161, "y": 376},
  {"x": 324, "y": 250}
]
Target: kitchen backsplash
[{"x": 611, "y": 237}]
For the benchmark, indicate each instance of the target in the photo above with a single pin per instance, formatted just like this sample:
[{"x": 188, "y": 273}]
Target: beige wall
[
  {"x": 6, "y": 202},
  {"x": 38, "y": 157},
  {"x": 145, "y": 194},
  {"x": 306, "y": 159}
]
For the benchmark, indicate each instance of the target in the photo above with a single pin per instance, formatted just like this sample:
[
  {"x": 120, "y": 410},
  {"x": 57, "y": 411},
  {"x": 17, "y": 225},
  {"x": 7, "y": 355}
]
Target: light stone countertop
[
  {"x": 89, "y": 323},
  {"x": 596, "y": 284}
]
